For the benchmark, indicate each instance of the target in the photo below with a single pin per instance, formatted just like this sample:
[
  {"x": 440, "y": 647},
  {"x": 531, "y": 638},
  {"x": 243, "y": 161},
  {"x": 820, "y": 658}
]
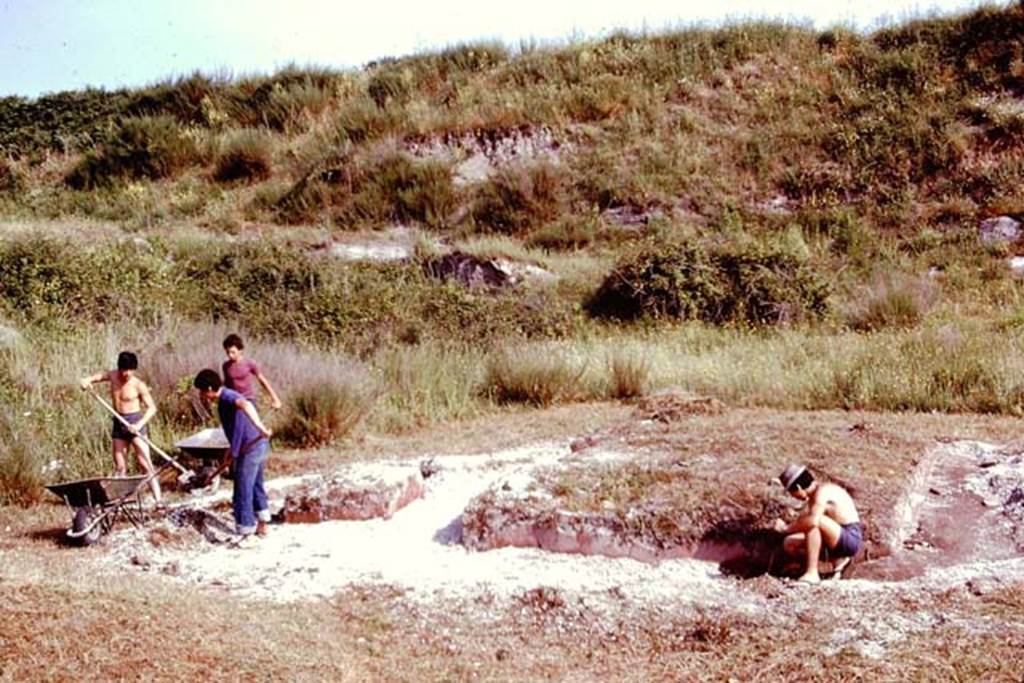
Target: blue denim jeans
[{"x": 249, "y": 501}]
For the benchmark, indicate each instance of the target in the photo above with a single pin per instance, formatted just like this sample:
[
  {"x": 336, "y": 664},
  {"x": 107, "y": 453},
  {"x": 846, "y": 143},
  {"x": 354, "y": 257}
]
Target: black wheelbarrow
[{"x": 99, "y": 502}]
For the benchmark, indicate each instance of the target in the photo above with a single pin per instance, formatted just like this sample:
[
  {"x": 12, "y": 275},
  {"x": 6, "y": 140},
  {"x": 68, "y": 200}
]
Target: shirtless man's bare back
[
  {"x": 133, "y": 401},
  {"x": 831, "y": 519}
]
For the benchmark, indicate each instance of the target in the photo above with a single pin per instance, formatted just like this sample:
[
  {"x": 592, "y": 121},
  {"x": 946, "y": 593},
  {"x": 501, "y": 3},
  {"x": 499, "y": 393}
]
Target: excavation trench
[{"x": 964, "y": 504}]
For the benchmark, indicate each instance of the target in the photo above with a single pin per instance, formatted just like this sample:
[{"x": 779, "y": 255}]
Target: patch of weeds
[
  {"x": 518, "y": 375},
  {"x": 630, "y": 374},
  {"x": 399, "y": 189},
  {"x": 361, "y": 121},
  {"x": 322, "y": 414},
  {"x": 893, "y": 300},
  {"x": 571, "y": 232},
  {"x": 147, "y": 147},
  {"x": 21, "y": 474},
  {"x": 245, "y": 155},
  {"x": 520, "y": 197},
  {"x": 11, "y": 181}
]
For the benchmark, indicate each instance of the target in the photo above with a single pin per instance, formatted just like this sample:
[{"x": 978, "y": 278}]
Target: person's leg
[
  {"x": 246, "y": 468},
  {"x": 812, "y": 551},
  {"x": 825, "y": 534},
  {"x": 259, "y": 495},
  {"x": 120, "y": 467},
  {"x": 146, "y": 465}
]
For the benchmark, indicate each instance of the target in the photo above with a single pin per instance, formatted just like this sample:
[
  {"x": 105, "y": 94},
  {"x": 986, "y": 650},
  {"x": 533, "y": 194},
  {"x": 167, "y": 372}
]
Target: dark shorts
[
  {"x": 119, "y": 431},
  {"x": 850, "y": 539}
]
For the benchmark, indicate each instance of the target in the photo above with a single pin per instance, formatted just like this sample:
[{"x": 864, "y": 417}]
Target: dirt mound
[
  {"x": 672, "y": 407},
  {"x": 379, "y": 492}
]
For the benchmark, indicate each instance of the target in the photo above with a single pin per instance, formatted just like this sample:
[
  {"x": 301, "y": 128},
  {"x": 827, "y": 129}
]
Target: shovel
[{"x": 186, "y": 474}]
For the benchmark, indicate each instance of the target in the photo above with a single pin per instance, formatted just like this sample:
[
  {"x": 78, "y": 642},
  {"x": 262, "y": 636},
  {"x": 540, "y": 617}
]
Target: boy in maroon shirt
[{"x": 239, "y": 372}]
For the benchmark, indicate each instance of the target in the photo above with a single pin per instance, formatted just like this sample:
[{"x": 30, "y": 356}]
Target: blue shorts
[
  {"x": 850, "y": 540},
  {"x": 120, "y": 432}
]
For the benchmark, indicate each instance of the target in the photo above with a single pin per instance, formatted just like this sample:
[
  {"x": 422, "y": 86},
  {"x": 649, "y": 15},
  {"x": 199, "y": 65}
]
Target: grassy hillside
[{"x": 763, "y": 213}]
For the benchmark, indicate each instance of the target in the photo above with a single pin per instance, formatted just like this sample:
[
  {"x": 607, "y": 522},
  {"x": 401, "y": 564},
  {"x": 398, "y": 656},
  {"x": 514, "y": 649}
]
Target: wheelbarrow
[
  {"x": 211, "y": 449},
  {"x": 99, "y": 502}
]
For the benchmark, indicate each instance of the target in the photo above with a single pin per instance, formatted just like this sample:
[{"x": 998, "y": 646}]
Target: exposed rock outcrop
[
  {"x": 1000, "y": 229},
  {"x": 468, "y": 270},
  {"x": 9, "y": 336},
  {"x": 476, "y": 155}
]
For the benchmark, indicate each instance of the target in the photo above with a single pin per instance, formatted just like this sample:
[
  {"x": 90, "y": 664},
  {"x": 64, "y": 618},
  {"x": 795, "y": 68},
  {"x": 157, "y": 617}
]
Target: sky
[{"x": 54, "y": 45}]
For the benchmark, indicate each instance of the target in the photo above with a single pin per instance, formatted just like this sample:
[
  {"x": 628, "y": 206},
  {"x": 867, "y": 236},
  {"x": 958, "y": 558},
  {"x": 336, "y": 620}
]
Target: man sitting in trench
[{"x": 830, "y": 521}]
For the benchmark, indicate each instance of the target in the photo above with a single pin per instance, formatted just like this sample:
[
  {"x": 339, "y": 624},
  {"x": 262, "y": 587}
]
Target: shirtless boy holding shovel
[
  {"x": 830, "y": 521},
  {"x": 134, "y": 403}
]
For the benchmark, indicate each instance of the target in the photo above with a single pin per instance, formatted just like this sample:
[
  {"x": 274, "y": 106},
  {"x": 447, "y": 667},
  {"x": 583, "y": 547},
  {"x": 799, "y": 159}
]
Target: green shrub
[
  {"x": 10, "y": 180},
  {"x": 751, "y": 283},
  {"x": 389, "y": 83},
  {"x": 290, "y": 105},
  {"x": 47, "y": 280},
  {"x": 244, "y": 156},
  {"x": 630, "y": 374},
  {"x": 148, "y": 147},
  {"x": 397, "y": 188},
  {"x": 427, "y": 383},
  {"x": 180, "y": 99},
  {"x": 892, "y": 301},
  {"x": 571, "y": 232},
  {"x": 361, "y": 121},
  {"x": 320, "y": 415},
  {"x": 518, "y": 198},
  {"x": 21, "y": 475},
  {"x": 521, "y": 375},
  {"x": 57, "y": 122}
]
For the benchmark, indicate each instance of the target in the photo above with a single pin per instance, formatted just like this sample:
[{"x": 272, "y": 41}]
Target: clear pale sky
[{"x": 53, "y": 45}]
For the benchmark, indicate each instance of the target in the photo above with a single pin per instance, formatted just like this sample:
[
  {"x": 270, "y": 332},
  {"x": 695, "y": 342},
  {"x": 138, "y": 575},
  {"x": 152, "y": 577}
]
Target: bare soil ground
[{"x": 402, "y": 599}]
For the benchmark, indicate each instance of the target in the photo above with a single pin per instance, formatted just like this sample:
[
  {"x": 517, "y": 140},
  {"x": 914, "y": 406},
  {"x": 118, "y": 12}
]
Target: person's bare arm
[
  {"x": 806, "y": 521},
  {"x": 146, "y": 399},
  {"x": 275, "y": 402},
  {"x": 87, "y": 382},
  {"x": 246, "y": 407}
]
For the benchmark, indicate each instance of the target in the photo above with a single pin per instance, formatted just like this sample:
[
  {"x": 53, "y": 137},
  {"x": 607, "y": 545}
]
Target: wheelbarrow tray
[
  {"x": 98, "y": 490},
  {"x": 208, "y": 444}
]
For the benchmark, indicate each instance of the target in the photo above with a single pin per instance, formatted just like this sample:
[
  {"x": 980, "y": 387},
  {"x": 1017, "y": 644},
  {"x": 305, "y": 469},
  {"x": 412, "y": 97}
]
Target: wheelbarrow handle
[{"x": 188, "y": 473}]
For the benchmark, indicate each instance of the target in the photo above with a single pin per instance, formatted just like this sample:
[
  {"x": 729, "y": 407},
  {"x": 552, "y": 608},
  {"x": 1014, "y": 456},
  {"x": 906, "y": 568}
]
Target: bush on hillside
[
  {"x": 360, "y": 121},
  {"x": 892, "y": 301},
  {"x": 399, "y": 189},
  {"x": 520, "y": 197},
  {"x": 48, "y": 281},
  {"x": 10, "y": 180},
  {"x": 147, "y": 147},
  {"x": 245, "y": 156},
  {"x": 389, "y": 84},
  {"x": 572, "y": 232},
  {"x": 180, "y": 99},
  {"x": 290, "y": 106},
  {"x": 753, "y": 283}
]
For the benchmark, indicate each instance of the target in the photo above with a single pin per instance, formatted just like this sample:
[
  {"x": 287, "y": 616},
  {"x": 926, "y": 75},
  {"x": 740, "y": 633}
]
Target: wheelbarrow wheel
[{"x": 80, "y": 522}]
